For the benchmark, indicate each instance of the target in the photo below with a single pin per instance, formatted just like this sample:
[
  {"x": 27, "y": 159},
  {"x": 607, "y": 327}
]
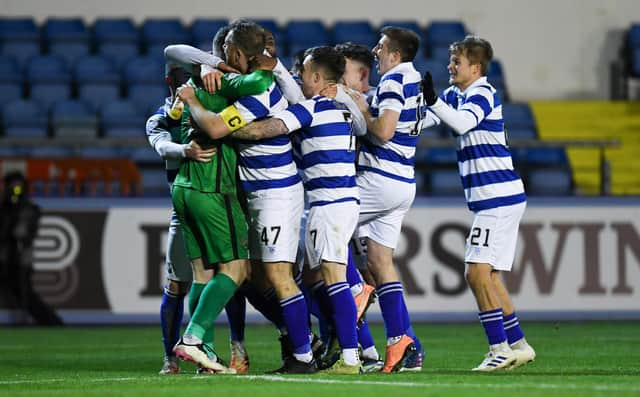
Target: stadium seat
[
  {"x": 161, "y": 32},
  {"x": 549, "y": 157},
  {"x": 24, "y": 119},
  {"x": 203, "y": 30},
  {"x": 438, "y": 70},
  {"x": 441, "y": 34},
  {"x": 96, "y": 152},
  {"x": 13, "y": 151},
  {"x": 143, "y": 70},
  {"x": 308, "y": 33},
  {"x": 634, "y": 36},
  {"x": 543, "y": 182},
  {"x": 442, "y": 156},
  {"x": 359, "y": 32},
  {"x": 147, "y": 97},
  {"x": 518, "y": 115},
  {"x": 635, "y": 62},
  {"x": 114, "y": 30},
  {"x": 154, "y": 181},
  {"x": 119, "y": 52},
  {"x": 73, "y": 118},
  {"x": 274, "y": 28},
  {"x": 67, "y": 38},
  {"x": 121, "y": 119},
  {"x": 445, "y": 183},
  {"x": 48, "y": 79},
  {"x": 19, "y": 38},
  {"x": 50, "y": 152},
  {"x": 11, "y": 78},
  {"x": 440, "y": 54},
  {"x": 520, "y": 132},
  {"x": 145, "y": 155},
  {"x": 97, "y": 80}
]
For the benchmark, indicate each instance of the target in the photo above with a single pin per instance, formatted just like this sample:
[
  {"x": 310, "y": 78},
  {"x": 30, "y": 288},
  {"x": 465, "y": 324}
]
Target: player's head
[
  {"x": 298, "y": 59},
  {"x": 322, "y": 66},
  {"x": 396, "y": 45},
  {"x": 218, "y": 41},
  {"x": 244, "y": 41},
  {"x": 358, "y": 64},
  {"x": 269, "y": 42},
  {"x": 176, "y": 77},
  {"x": 469, "y": 60}
]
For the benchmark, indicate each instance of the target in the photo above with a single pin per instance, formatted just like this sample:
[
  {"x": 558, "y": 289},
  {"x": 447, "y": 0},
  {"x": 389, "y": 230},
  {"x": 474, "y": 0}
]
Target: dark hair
[
  {"x": 248, "y": 36},
  {"x": 356, "y": 52},
  {"x": 477, "y": 50},
  {"x": 405, "y": 41},
  {"x": 218, "y": 41},
  {"x": 328, "y": 60}
]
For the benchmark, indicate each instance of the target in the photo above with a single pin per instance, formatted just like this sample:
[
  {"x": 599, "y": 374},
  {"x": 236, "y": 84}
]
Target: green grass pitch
[{"x": 574, "y": 359}]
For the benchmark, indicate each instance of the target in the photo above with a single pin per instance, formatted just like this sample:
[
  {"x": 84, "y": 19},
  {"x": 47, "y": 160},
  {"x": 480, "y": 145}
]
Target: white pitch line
[{"x": 296, "y": 379}]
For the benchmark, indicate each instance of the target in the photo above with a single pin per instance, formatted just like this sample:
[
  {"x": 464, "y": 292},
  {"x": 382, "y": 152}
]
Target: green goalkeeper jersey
[{"x": 218, "y": 175}]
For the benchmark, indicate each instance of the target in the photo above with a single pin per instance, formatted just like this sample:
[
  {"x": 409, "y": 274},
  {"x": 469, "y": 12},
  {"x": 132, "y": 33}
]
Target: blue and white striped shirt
[
  {"x": 265, "y": 164},
  {"x": 327, "y": 149},
  {"x": 484, "y": 160},
  {"x": 399, "y": 90}
]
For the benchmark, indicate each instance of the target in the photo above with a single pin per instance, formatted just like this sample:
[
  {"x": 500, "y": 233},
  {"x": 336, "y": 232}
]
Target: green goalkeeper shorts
[{"x": 213, "y": 224}]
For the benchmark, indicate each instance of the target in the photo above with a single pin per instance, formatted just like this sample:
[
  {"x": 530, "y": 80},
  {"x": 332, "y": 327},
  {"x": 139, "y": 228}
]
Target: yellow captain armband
[{"x": 232, "y": 118}]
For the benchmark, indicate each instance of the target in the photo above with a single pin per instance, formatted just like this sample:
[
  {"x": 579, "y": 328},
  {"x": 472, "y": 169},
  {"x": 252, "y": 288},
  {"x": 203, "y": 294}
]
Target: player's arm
[
  {"x": 236, "y": 86},
  {"x": 477, "y": 106},
  {"x": 159, "y": 137},
  {"x": 291, "y": 119},
  {"x": 390, "y": 104},
  {"x": 358, "y": 121},
  {"x": 262, "y": 129},
  {"x": 185, "y": 56},
  {"x": 288, "y": 85},
  {"x": 216, "y": 126}
]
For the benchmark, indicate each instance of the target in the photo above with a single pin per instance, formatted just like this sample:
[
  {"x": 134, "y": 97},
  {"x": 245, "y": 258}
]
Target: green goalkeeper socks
[
  {"x": 194, "y": 298},
  {"x": 214, "y": 296}
]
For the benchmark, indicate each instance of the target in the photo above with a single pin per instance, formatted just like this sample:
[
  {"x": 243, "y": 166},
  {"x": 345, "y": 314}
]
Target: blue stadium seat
[
  {"x": 550, "y": 157},
  {"x": 11, "y": 78},
  {"x": 143, "y": 70},
  {"x": 161, "y": 32},
  {"x": 520, "y": 132},
  {"x": 145, "y": 155},
  {"x": 440, "y": 54},
  {"x": 439, "y": 71},
  {"x": 48, "y": 79},
  {"x": 634, "y": 36},
  {"x": 19, "y": 38},
  {"x": 203, "y": 30},
  {"x": 119, "y": 52},
  {"x": 359, "y": 32},
  {"x": 74, "y": 118},
  {"x": 122, "y": 119},
  {"x": 147, "y": 97},
  {"x": 274, "y": 28},
  {"x": 13, "y": 151},
  {"x": 553, "y": 182},
  {"x": 406, "y": 24},
  {"x": 495, "y": 71},
  {"x": 442, "y": 33},
  {"x": 445, "y": 183},
  {"x": 50, "y": 152},
  {"x": 97, "y": 80},
  {"x": 635, "y": 62},
  {"x": 91, "y": 152},
  {"x": 308, "y": 33},
  {"x": 67, "y": 38},
  {"x": 24, "y": 119},
  {"x": 518, "y": 115},
  {"x": 115, "y": 30},
  {"x": 154, "y": 181}
]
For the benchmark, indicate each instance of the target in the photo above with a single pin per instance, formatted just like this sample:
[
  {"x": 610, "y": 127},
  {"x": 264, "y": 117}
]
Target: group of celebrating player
[{"x": 260, "y": 153}]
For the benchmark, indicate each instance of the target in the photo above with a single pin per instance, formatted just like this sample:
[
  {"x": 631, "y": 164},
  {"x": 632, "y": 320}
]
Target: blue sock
[
  {"x": 353, "y": 276},
  {"x": 171, "y": 311},
  {"x": 391, "y": 301},
  {"x": 296, "y": 317},
  {"x": 364, "y": 335},
  {"x": 344, "y": 314},
  {"x": 493, "y": 326},
  {"x": 266, "y": 303},
  {"x": 236, "y": 310},
  {"x": 512, "y": 328},
  {"x": 409, "y": 331},
  {"x": 322, "y": 299}
]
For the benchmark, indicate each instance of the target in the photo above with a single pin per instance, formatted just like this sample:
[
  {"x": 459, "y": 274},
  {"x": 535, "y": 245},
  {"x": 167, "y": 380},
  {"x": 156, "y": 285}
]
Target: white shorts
[
  {"x": 328, "y": 231},
  {"x": 383, "y": 204},
  {"x": 494, "y": 235},
  {"x": 178, "y": 265},
  {"x": 274, "y": 226}
]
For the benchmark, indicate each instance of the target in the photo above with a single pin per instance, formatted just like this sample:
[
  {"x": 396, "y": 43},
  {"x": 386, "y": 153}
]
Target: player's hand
[
  {"x": 195, "y": 152},
  {"x": 211, "y": 79},
  {"x": 330, "y": 91},
  {"x": 186, "y": 93},
  {"x": 359, "y": 99},
  {"x": 428, "y": 91},
  {"x": 264, "y": 62}
]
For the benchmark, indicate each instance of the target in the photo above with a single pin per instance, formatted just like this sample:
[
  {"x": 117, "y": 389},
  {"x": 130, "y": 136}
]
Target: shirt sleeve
[
  {"x": 186, "y": 56},
  {"x": 159, "y": 137},
  {"x": 236, "y": 86},
  {"x": 358, "y": 121},
  {"x": 297, "y": 116},
  {"x": 390, "y": 94},
  {"x": 288, "y": 85}
]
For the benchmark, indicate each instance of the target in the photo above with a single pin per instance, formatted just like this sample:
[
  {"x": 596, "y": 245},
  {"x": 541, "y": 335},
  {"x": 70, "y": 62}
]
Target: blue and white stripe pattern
[
  {"x": 484, "y": 160},
  {"x": 389, "y": 288},
  {"x": 266, "y": 164},
  {"x": 493, "y": 326},
  {"x": 326, "y": 150},
  {"x": 337, "y": 288},
  {"x": 399, "y": 90},
  {"x": 291, "y": 299}
]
